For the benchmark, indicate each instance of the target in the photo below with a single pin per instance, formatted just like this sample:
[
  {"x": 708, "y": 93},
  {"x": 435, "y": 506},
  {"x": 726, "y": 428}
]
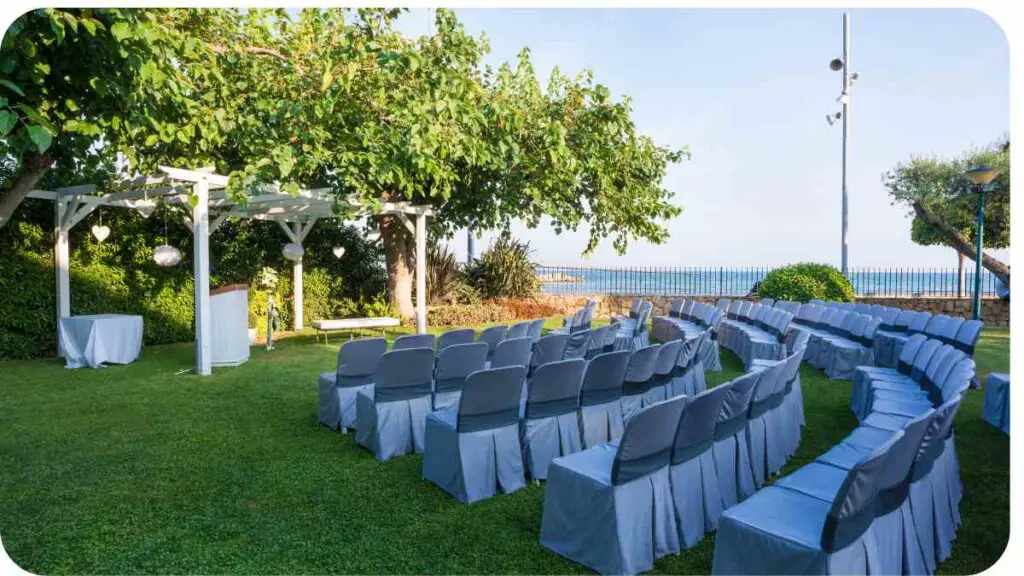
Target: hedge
[{"x": 806, "y": 281}]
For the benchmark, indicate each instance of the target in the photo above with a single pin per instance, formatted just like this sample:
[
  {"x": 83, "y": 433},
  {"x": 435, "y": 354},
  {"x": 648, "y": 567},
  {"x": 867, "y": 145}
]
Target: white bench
[{"x": 350, "y": 324}]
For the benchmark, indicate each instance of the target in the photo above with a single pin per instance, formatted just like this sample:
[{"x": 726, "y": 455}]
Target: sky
[{"x": 747, "y": 91}]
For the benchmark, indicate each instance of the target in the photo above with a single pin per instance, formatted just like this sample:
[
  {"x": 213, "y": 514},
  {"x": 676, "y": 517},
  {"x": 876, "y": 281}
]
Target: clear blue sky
[{"x": 748, "y": 91}]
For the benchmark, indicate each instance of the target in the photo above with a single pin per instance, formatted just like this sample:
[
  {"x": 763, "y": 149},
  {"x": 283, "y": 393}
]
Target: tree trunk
[
  {"x": 399, "y": 256},
  {"x": 33, "y": 167},
  {"x": 962, "y": 245}
]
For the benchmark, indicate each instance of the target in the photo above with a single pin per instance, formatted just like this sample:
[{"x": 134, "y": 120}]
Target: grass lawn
[{"x": 138, "y": 469}]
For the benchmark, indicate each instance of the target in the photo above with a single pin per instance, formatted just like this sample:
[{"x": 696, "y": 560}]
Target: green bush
[
  {"x": 806, "y": 281},
  {"x": 465, "y": 314},
  {"x": 505, "y": 270}
]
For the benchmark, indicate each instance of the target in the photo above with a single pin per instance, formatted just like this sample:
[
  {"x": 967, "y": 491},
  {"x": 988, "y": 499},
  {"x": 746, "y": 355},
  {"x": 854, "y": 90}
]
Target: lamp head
[
  {"x": 836, "y": 64},
  {"x": 982, "y": 175}
]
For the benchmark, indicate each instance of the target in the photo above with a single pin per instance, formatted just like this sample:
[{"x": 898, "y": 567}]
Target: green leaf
[
  {"x": 326, "y": 82},
  {"x": 152, "y": 139},
  {"x": 40, "y": 137},
  {"x": 120, "y": 31},
  {"x": 7, "y": 121},
  {"x": 13, "y": 87}
]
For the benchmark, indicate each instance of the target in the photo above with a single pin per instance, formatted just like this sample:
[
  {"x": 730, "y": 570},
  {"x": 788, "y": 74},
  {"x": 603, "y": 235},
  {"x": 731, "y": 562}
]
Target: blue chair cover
[
  {"x": 767, "y": 453},
  {"x": 698, "y": 503},
  {"x": 996, "y": 410},
  {"x": 549, "y": 427},
  {"x": 863, "y": 375},
  {"x": 453, "y": 365},
  {"x": 474, "y": 450},
  {"x": 637, "y": 381},
  {"x": 597, "y": 341},
  {"x": 357, "y": 360},
  {"x": 688, "y": 376},
  {"x": 610, "y": 507},
  {"x": 512, "y": 352},
  {"x": 550, "y": 348},
  {"x": 731, "y": 452},
  {"x": 536, "y": 329},
  {"x": 812, "y": 535},
  {"x": 414, "y": 341},
  {"x": 452, "y": 337},
  {"x": 600, "y": 398},
  {"x": 577, "y": 344},
  {"x": 491, "y": 336},
  {"x": 518, "y": 330},
  {"x": 664, "y": 372},
  {"x": 390, "y": 416}
]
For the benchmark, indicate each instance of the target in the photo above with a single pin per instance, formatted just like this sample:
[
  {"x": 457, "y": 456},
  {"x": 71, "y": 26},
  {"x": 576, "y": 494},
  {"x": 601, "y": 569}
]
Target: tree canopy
[
  {"x": 943, "y": 208},
  {"x": 333, "y": 98}
]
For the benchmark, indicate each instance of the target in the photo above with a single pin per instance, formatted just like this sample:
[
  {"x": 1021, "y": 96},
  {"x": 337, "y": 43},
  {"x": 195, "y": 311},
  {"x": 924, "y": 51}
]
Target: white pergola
[{"x": 295, "y": 213}]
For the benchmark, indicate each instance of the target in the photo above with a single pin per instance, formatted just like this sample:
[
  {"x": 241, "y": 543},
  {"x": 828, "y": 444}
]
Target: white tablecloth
[{"x": 93, "y": 340}]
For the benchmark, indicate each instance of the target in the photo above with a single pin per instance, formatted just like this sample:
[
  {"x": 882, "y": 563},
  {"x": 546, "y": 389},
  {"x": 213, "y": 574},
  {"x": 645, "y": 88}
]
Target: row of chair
[
  {"x": 686, "y": 319},
  {"x": 754, "y": 331},
  {"x": 501, "y": 432},
  {"x": 840, "y": 340},
  {"x": 617, "y": 507},
  {"x": 884, "y": 500}
]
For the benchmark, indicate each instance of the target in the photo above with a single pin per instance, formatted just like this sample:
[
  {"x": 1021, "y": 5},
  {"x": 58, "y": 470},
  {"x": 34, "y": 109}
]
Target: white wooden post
[
  {"x": 297, "y": 281},
  {"x": 201, "y": 271},
  {"x": 61, "y": 263},
  {"x": 421, "y": 273}
]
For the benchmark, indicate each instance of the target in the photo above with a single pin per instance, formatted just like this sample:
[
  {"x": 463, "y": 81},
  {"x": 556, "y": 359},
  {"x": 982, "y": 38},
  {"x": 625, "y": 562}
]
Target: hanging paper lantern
[
  {"x": 339, "y": 251},
  {"x": 101, "y": 232},
  {"x": 166, "y": 256},
  {"x": 293, "y": 252}
]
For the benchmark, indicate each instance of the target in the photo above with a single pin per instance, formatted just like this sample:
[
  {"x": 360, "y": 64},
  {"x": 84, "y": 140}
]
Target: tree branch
[
  {"x": 33, "y": 167},
  {"x": 258, "y": 50},
  {"x": 961, "y": 244}
]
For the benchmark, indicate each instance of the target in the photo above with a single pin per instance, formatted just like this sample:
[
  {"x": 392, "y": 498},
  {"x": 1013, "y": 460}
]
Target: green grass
[{"x": 137, "y": 469}]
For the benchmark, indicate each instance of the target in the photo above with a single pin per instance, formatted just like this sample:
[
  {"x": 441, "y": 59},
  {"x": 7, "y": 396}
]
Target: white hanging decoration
[
  {"x": 166, "y": 256},
  {"x": 292, "y": 251},
  {"x": 100, "y": 232},
  {"x": 145, "y": 206},
  {"x": 339, "y": 251}
]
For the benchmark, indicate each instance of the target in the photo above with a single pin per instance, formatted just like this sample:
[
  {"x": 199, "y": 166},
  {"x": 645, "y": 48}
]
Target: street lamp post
[
  {"x": 843, "y": 65},
  {"x": 982, "y": 177}
]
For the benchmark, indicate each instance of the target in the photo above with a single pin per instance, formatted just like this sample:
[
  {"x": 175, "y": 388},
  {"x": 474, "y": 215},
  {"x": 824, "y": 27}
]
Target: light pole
[
  {"x": 982, "y": 177},
  {"x": 837, "y": 65},
  {"x": 470, "y": 244}
]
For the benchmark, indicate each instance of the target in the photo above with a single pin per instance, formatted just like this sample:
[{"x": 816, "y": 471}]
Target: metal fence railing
[{"x": 731, "y": 281}]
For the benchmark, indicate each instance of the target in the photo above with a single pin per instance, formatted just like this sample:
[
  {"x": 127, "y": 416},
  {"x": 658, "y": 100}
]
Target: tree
[
  {"x": 421, "y": 120},
  {"x": 75, "y": 80},
  {"x": 945, "y": 211}
]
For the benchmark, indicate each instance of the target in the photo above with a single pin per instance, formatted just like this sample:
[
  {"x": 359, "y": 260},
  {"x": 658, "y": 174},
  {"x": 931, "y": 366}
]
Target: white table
[{"x": 93, "y": 340}]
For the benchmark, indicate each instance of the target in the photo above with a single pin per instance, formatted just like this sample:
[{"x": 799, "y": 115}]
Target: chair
[
  {"x": 518, "y": 330},
  {"x": 766, "y": 301},
  {"x": 660, "y": 387},
  {"x": 996, "y": 409},
  {"x": 635, "y": 337},
  {"x": 637, "y": 380},
  {"x": 967, "y": 338},
  {"x": 688, "y": 376},
  {"x": 390, "y": 414},
  {"x": 845, "y": 354},
  {"x": 698, "y": 504},
  {"x": 723, "y": 304},
  {"x": 550, "y": 348},
  {"x": 491, "y": 336},
  {"x": 813, "y": 536},
  {"x": 453, "y": 365},
  {"x": 549, "y": 428},
  {"x": 578, "y": 344},
  {"x": 357, "y": 360},
  {"x": 473, "y": 450},
  {"x": 453, "y": 337},
  {"x": 536, "y": 329},
  {"x": 414, "y": 341},
  {"x": 863, "y": 375},
  {"x": 600, "y": 398},
  {"x": 763, "y": 441},
  {"x": 610, "y": 507},
  {"x": 512, "y": 352},
  {"x": 731, "y": 453},
  {"x": 598, "y": 336}
]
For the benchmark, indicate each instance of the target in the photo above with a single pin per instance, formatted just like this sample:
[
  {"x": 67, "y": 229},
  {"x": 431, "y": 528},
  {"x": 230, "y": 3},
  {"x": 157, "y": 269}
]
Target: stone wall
[{"x": 994, "y": 312}]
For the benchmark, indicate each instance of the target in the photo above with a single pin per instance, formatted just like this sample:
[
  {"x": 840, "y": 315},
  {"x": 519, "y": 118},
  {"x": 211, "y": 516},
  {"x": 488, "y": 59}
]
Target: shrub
[
  {"x": 505, "y": 270},
  {"x": 527, "y": 308},
  {"x": 463, "y": 314},
  {"x": 806, "y": 281}
]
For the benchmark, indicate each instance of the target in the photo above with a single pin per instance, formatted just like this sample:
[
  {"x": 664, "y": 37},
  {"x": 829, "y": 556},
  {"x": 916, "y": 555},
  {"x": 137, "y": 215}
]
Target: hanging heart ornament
[
  {"x": 101, "y": 232},
  {"x": 145, "y": 206},
  {"x": 339, "y": 251}
]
